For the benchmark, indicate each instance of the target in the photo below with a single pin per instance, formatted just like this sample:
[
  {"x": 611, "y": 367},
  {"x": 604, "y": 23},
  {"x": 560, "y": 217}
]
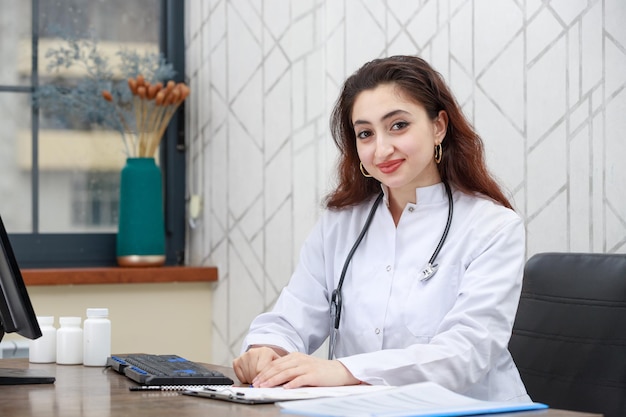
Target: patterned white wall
[{"x": 543, "y": 82}]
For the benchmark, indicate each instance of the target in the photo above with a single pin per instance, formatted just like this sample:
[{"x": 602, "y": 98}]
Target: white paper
[{"x": 422, "y": 399}]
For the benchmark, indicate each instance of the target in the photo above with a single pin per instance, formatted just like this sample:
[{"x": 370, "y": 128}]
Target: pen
[
  {"x": 165, "y": 387},
  {"x": 146, "y": 388}
]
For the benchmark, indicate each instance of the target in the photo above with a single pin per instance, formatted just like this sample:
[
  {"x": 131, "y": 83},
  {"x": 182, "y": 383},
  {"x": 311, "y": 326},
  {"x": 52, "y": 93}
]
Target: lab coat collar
[{"x": 423, "y": 195}]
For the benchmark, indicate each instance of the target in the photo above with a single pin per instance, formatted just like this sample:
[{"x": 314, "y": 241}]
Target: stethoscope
[{"x": 427, "y": 273}]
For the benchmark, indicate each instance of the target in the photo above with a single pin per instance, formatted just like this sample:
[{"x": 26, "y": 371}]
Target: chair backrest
[{"x": 569, "y": 336}]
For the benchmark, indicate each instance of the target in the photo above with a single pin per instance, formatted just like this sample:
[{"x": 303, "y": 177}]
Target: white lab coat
[{"x": 396, "y": 329}]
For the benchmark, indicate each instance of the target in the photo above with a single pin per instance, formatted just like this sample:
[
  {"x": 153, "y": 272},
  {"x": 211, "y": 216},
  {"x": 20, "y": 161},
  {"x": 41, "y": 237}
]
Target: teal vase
[{"x": 141, "y": 228}]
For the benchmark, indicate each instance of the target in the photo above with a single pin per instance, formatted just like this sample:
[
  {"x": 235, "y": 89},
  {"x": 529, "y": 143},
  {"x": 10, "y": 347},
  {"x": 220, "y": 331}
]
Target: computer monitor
[{"x": 16, "y": 313}]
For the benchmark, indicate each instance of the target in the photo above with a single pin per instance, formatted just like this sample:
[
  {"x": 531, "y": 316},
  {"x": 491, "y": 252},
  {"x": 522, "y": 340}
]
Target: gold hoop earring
[
  {"x": 438, "y": 153},
  {"x": 363, "y": 171}
]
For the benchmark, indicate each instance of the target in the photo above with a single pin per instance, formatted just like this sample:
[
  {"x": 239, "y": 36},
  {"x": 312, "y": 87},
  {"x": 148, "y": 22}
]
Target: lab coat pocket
[{"x": 428, "y": 302}]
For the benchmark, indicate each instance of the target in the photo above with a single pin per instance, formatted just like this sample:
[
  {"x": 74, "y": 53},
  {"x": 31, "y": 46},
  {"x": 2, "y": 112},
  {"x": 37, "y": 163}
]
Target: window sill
[{"x": 118, "y": 275}]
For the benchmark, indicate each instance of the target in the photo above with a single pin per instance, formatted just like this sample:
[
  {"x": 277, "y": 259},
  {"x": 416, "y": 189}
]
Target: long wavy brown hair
[{"x": 463, "y": 164}]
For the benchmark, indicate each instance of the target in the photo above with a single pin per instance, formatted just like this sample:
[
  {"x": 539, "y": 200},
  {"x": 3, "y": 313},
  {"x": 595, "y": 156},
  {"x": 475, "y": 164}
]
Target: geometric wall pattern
[{"x": 544, "y": 82}]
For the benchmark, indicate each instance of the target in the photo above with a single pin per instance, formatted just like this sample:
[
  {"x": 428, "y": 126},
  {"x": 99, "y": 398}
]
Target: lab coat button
[
  {"x": 377, "y": 330},
  {"x": 411, "y": 209},
  {"x": 388, "y": 268}
]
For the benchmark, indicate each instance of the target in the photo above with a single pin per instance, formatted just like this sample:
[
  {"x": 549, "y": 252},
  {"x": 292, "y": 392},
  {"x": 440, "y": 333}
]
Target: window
[
  {"x": 95, "y": 200},
  {"x": 59, "y": 176}
]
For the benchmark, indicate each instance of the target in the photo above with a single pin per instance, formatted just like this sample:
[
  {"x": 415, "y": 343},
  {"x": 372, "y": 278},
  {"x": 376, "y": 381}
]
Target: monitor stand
[{"x": 15, "y": 376}]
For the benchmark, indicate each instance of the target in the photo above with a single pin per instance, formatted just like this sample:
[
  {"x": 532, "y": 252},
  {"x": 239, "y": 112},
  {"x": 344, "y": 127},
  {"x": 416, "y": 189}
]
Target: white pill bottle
[
  {"x": 44, "y": 349},
  {"x": 96, "y": 337},
  {"x": 70, "y": 341}
]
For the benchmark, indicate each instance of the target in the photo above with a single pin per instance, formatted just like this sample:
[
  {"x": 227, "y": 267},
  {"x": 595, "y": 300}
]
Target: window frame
[{"x": 67, "y": 250}]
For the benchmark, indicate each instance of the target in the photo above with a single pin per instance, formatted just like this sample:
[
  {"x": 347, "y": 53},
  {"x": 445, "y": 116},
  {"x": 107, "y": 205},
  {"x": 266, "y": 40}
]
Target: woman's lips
[{"x": 390, "y": 166}]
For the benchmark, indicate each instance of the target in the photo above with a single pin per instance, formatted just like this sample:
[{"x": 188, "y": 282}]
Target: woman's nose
[{"x": 384, "y": 147}]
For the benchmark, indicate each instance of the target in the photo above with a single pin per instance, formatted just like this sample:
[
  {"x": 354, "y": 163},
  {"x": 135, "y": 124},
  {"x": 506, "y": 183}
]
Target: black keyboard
[{"x": 165, "y": 370}]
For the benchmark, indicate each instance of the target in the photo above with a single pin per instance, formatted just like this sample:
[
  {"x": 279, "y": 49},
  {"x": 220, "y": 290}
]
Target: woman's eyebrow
[{"x": 385, "y": 117}]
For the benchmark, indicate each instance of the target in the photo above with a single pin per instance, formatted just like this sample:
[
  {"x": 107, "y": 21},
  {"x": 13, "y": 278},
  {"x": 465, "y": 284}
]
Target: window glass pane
[
  {"x": 109, "y": 20},
  {"x": 79, "y": 173},
  {"x": 15, "y": 162},
  {"x": 80, "y": 155},
  {"x": 15, "y": 42}
]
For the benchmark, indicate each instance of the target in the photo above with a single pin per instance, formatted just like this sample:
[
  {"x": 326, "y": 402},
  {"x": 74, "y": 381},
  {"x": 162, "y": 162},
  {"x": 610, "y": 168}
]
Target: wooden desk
[{"x": 94, "y": 392}]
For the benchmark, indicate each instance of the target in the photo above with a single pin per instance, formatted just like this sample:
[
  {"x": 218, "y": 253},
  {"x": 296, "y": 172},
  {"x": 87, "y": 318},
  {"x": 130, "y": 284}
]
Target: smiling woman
[
  {"x": 396, "y": 316},
  {"x": 65, "y": 182}
]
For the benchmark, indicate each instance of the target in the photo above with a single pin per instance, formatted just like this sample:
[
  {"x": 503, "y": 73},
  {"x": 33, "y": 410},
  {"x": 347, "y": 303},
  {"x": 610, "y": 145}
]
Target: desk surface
[{"x": 96, "y": 392}]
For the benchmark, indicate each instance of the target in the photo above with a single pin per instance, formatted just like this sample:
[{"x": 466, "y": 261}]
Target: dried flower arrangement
[
  {"x": 154, "y": 105},
  {"x": 139, "y": 101}
]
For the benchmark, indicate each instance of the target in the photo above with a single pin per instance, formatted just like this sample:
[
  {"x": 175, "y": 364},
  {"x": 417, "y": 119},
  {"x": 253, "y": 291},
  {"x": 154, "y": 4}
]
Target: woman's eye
[
  {"x": 399, "y": 125},
  {"x": 363, "y": 134}
]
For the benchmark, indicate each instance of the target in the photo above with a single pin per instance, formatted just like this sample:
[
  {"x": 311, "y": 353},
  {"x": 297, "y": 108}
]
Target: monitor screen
[{"x": 16, "y": 312}]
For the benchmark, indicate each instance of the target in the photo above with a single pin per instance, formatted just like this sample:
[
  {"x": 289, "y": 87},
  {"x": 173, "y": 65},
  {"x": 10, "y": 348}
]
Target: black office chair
[{"x": 569, "y": 336}]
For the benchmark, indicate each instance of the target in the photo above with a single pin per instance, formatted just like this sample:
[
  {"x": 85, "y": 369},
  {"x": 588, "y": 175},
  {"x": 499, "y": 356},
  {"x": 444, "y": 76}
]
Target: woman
[{"x": 431, "y": 290}]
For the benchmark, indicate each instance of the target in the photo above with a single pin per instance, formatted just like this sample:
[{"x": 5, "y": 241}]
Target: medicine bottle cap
[
  {"x": 70, "y": 321},
  {"x": 45, "y": 320},
  {"x": 97, "y": 312}
]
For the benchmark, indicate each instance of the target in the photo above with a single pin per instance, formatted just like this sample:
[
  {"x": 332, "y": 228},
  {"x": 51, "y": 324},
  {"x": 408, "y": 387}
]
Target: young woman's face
[{"x": 396, "y": 138}]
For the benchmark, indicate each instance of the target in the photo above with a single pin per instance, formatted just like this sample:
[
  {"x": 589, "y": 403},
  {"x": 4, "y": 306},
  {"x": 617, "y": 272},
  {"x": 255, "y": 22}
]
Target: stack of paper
[{"x": 425, "y": 399}]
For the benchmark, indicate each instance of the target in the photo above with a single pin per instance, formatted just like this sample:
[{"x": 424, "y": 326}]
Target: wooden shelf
[{"x": 118, "y": 275}]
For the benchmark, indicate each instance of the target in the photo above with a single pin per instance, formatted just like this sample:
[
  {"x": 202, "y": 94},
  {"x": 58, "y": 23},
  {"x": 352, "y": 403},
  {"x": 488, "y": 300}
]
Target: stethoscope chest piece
[{"x": 429, "y": 272}]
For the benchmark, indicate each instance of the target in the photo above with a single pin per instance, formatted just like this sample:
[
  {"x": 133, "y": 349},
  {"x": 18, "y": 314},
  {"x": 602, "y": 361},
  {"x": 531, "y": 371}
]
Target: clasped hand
[{"x": 264, "y": 367}]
